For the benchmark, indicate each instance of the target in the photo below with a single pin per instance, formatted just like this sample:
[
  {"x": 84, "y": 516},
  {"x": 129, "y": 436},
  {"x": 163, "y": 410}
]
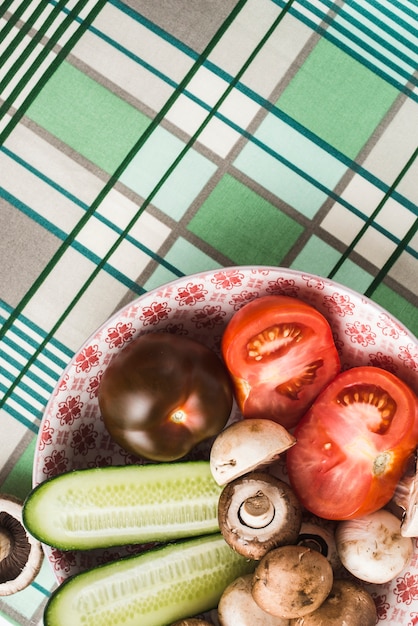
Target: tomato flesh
[
  {"x": 353, "y": 444},
  {"x": 280, "y": 353}
]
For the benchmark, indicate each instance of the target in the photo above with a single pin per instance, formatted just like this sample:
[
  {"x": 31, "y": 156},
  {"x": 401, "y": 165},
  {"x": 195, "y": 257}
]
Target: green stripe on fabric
[
  {"x": 370, "y": 220},
  {"x": 109, "y": 185},
  {"x": 243, "y": 89},
  {"x": 104, "y": 220},
  {"x": 41, "y": 365},
  {"x": 155, "y": 190},
  {"x": 325, "y": 34},
  {"x": 60, "y": 234},
  {"x": 54, "y": 260},
  {"x": 31, "y": 327},
  {"x": 4, "y": 7},
  {"x": 392, "y": 260},
  {"x": 67, "y": 47},
  {"x": 28, "y": 49},
  {"x": 14, "y": 18}
]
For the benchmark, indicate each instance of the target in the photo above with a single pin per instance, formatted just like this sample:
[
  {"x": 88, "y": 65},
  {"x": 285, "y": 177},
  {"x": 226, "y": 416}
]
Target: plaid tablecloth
[{"x": 143, "y": 140}]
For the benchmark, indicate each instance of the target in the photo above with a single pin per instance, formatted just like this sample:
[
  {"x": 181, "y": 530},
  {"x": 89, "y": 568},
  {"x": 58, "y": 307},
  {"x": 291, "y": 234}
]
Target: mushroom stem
[
  {"x": 5, "y": 544},
  {"x": 257, "y": 511}
]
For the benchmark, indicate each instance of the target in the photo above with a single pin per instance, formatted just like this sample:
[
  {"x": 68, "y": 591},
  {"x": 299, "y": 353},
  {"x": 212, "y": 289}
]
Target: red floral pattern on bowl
[{"x": 72, "y": 434}]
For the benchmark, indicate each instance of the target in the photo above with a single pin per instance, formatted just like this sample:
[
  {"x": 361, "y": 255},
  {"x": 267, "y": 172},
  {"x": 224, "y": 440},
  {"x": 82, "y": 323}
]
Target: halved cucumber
[
  {"x": 154, "y": 588},
  {"x": 110, "y": 506}
]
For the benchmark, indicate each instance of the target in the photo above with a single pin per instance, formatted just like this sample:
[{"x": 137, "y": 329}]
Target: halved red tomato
[
  {"x": 353, "y": 444},
  {"x": 280, "y": 353}
]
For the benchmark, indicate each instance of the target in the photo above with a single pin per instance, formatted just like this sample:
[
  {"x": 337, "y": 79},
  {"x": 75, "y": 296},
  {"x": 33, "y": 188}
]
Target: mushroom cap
[
  {"x": 372, "y": 547},
  {"x": 258, "y": 512},
  {"x": 291, "y": 581},
  {"x": 21, "y": 554},
  {"x": 347, "y": 603},
  {"x": 246, "y": 445},
  {"x": 238, "y": 608},
  {"x": 192, "y": 621}
]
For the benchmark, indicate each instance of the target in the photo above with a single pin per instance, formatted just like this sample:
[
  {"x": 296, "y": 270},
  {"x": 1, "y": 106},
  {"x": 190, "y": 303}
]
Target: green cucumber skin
[
  {"x": 161, "y": 586},
  {"x": 156, "y": 503}
]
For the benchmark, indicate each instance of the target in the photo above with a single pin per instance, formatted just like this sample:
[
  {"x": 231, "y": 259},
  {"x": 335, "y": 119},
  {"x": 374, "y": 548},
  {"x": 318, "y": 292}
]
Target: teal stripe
[
  {"x": 40, "y": 588},
  {"x": 30, "y": 391},
  {"x": 25, "y": 321},
  {"x": 110, "y": 183},
  {"x": 47, "y": 353},
  {"x": 323, "y": 32},
  {"x": 394, "y": 32},
  {"x": 46, "y": 179},
  {"x": 18, "y": 416},
  {"x": 370, "y": 221},
  {"x": 17, "y": 310},
  {"x": 333, "y": 24},
  {"x": 392, "y": 260},
  {"x": 141, "y": 19},
  {"x": 403, "y": 8},
  {"x": 60, "y": 234},
  {"x": 277, "y": 156},
  {"x": 26, "y": 355},
  {"x": 272, "y": 109},
  {"x": 246, "y": 91}
]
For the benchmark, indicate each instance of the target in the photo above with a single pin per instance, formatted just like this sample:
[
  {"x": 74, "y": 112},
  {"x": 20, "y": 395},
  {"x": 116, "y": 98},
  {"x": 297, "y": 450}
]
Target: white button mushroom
[
  {"x": 247, "y": 445},
  {"x": 258, "y": 512},
  {"x": 21, "y": 555},
  {"x": 372, "y": 547}
]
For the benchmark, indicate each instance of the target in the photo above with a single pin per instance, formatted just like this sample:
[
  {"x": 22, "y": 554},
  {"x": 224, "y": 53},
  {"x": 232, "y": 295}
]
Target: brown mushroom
[
  {"x": 238, "y": 608},
  {"x": 247, "y": 445},
  {"x": 292, "y": 581},
  {"x": 258, "y": 512},
  {"x": 347, "y": 604},
  {"x": 21, "y": 555}
]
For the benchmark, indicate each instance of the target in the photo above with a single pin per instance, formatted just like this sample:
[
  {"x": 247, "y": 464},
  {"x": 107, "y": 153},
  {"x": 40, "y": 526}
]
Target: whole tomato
[
  {"x": 353, "y": 444},
  {"x": 163, "y": 394},
  {"x": 280, "y": 352}
]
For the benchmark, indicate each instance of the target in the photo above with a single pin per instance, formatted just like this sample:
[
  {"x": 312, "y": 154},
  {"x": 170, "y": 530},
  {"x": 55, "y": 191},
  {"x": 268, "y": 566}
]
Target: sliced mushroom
[
  {"x": 20, "y": 554},
  {"x": 237, "y": 607},
  {"x": 319, "y": 534},
  {"x": 405, "y": 499},
  {"x": 347, "y": 604},
  {"x": 247, "y": 445},
  {"x": 258, "y": 512},
  {"x": 292, "y": 581}
]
